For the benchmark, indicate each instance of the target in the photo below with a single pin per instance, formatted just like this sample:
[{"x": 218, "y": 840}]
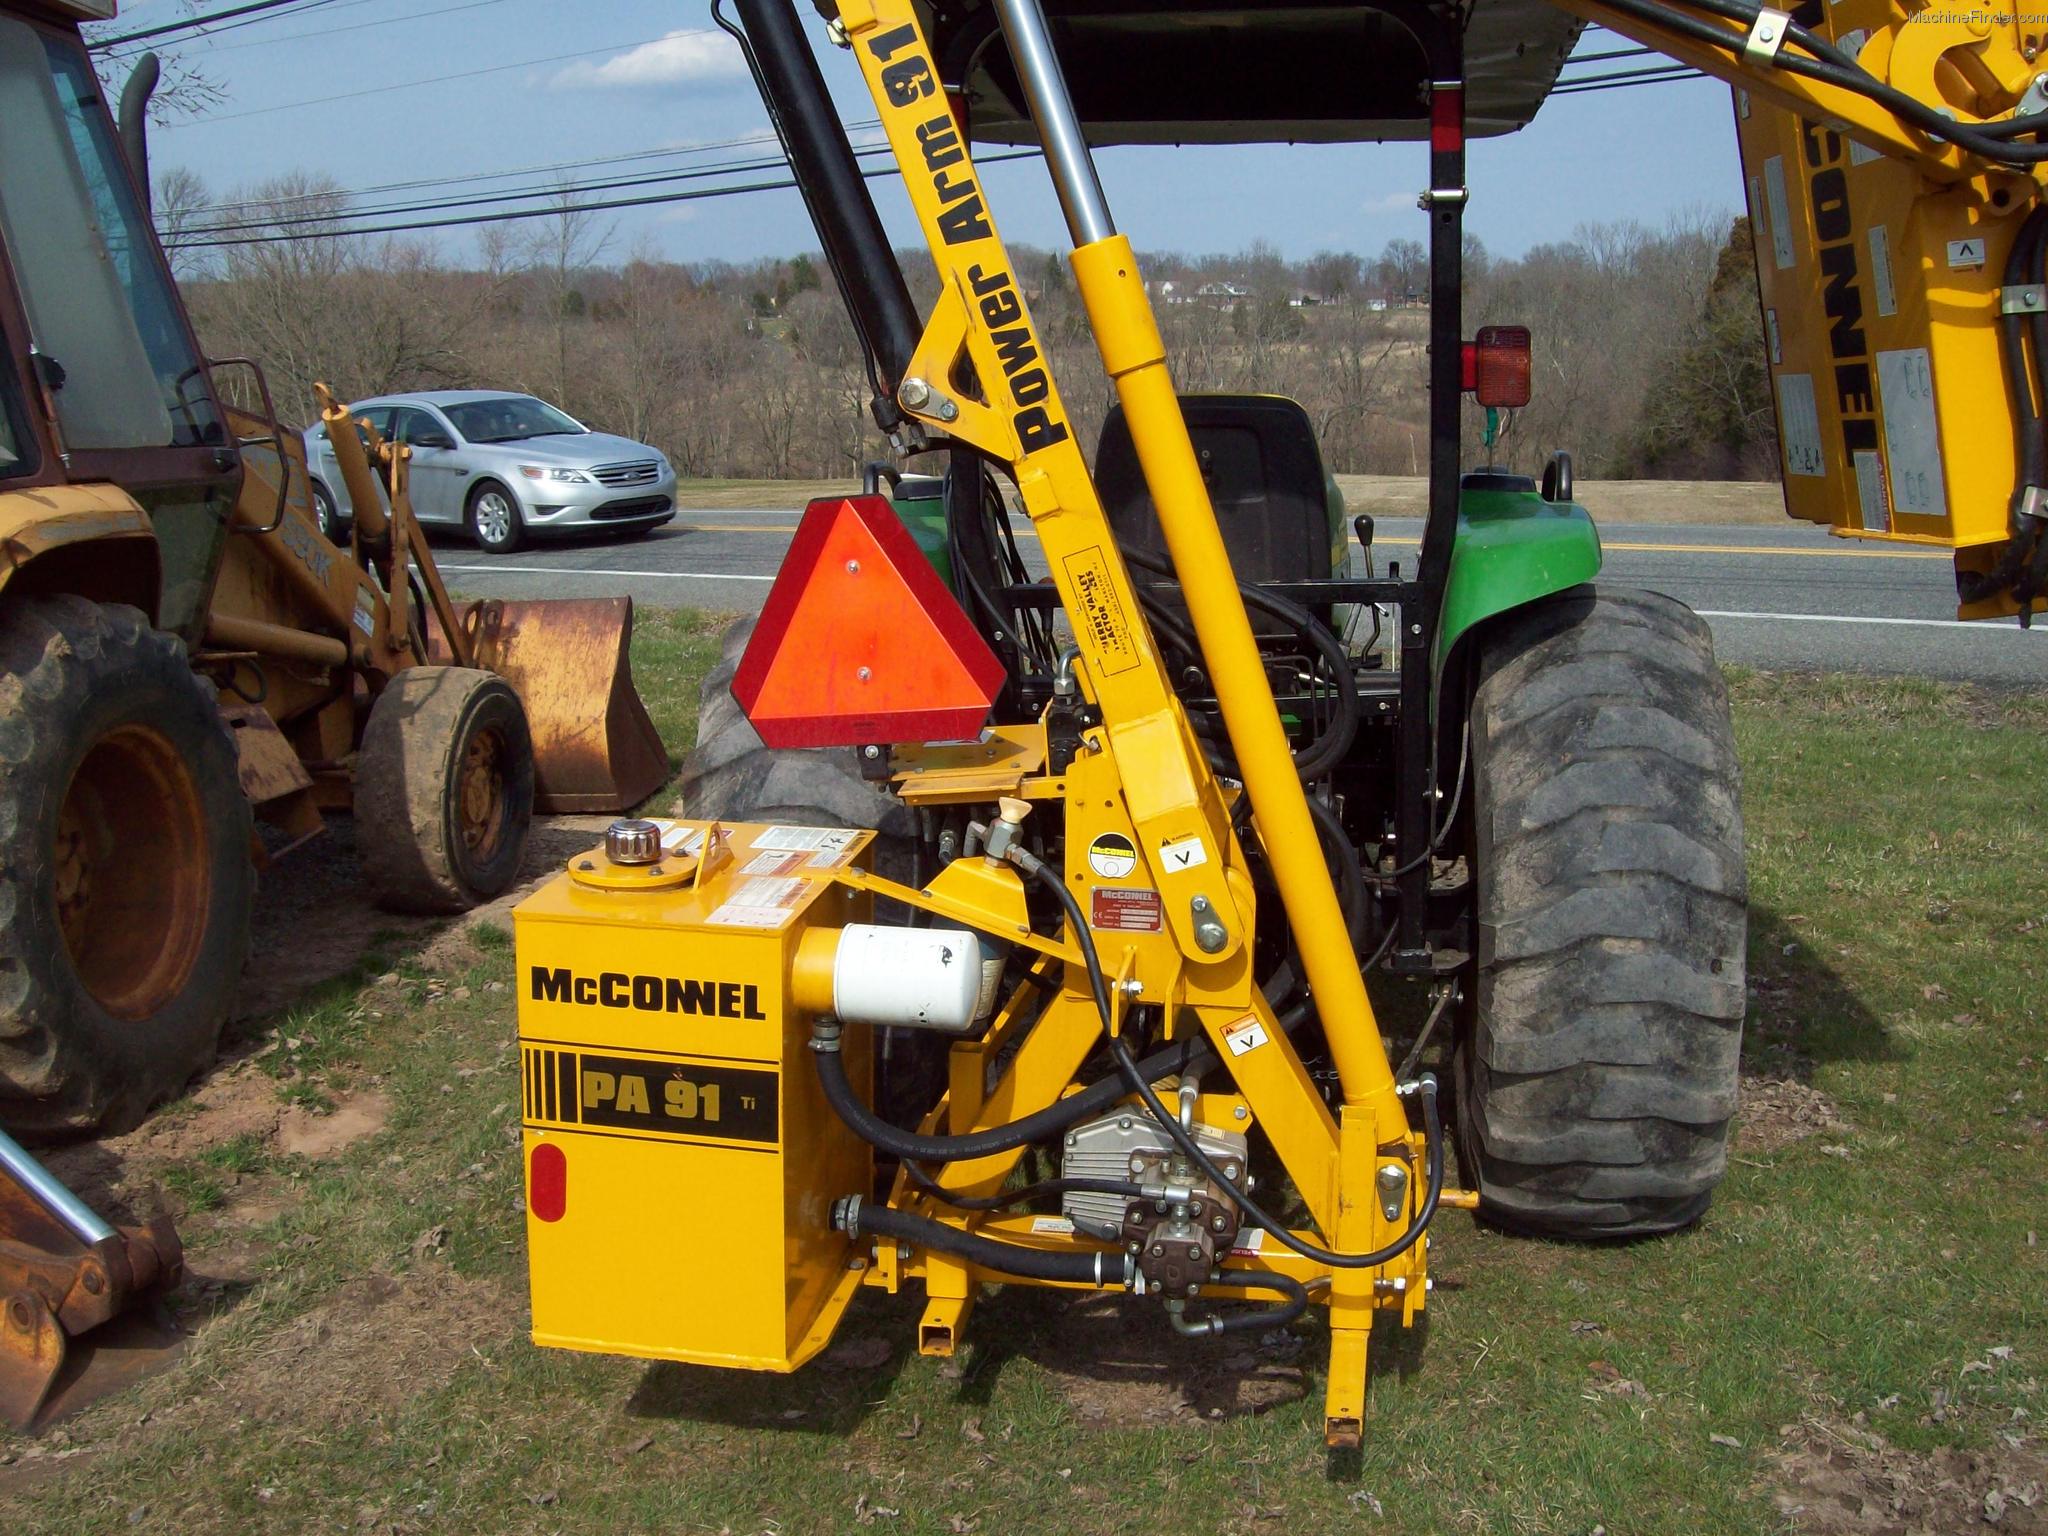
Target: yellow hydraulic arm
[{"x": 1894, "y": 169}]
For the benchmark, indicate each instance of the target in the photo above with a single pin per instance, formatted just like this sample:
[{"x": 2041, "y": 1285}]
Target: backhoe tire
[
  {"x": 444, "y": 789},
  {"x": 1597, "y": 1068},
  {"x": 125, "y": 874}
]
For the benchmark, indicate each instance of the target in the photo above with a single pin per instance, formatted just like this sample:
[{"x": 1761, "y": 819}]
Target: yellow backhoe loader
[{"x": 181, "y": 652}]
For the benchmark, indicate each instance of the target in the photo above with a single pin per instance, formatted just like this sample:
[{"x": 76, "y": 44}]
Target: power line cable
[
  {"x": 1666, "y": 75},
  {"x": 197, "y": 23},
  {"x": 323, "y": 33},
  {"x": 653, "y": 200},
  {"x": 557, "y": 191},
  {"x": 677, "y": 151},
  {"x": 467, "y": 74}
]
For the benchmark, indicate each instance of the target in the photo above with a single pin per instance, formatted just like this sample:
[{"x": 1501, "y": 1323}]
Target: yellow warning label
[{"x": 1100, "y": 614}]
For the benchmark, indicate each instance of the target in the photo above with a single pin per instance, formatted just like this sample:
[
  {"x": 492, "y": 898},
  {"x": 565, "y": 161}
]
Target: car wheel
[
  {"x": 326, "y": 516},
  {"x": 494, "y": 519}
]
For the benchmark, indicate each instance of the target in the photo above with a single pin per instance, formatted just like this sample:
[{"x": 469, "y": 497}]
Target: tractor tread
[{"x": 1598, "y": 1067}]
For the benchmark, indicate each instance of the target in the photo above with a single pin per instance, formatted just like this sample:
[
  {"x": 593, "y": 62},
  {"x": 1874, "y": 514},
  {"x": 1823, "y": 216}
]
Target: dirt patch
[
  {"x": 336, "y": 1360},
  {"x": 1840, "y": 1480},
  {"x": 305, "y": 1134},
  {"x": 1117, "y": 1370},
  {"x": 316, "y": 920},
  {"x": 1777, "y": 1111}
]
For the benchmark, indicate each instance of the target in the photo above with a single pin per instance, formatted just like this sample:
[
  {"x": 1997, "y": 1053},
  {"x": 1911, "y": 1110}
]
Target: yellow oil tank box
[{"x": 680, "y": 1161}]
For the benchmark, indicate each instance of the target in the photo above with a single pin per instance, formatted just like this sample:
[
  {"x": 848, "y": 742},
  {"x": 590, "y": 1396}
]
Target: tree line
[{"x": 1648, "y": 354}]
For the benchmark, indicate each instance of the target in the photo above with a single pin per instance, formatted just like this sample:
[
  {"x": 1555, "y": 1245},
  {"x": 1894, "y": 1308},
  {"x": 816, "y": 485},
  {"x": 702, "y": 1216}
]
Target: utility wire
[
  {"x": 196, "y": 23},
  {"x": 677, "y": 151},
  {"x": 355, "y": 26},
  {"x": 467, "y": 74},
  {"x": 465, "y": 221},
  {"x": 478, "y": 200}
]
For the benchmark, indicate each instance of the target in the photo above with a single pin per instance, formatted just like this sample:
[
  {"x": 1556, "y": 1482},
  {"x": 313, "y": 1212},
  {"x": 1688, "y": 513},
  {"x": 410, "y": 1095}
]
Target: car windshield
[{"x": 509, "y": 419}]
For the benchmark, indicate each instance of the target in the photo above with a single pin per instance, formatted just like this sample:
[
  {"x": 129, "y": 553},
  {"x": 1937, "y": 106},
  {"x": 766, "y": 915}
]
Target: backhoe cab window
[{"x": 99, "y": 305}]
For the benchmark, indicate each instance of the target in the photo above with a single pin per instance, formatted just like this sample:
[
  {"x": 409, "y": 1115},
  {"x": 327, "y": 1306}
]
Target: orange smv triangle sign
[{"x": 860, "y": 642}]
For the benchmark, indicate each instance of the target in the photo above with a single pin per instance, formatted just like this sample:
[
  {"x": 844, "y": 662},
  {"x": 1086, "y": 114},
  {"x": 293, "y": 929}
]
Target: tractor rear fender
[
  {"x": 92, "y": 541},
  {"x": 1512, "y": 548}
]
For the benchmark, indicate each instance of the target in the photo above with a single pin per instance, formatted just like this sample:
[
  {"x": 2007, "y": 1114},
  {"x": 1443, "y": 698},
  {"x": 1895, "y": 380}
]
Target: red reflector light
[
  {"x": 860, "y": 642},
  {"x": 1468, "y": 367},
  {"x": 547, "y": 1182},
  {"x": 1500, "y": 372}
]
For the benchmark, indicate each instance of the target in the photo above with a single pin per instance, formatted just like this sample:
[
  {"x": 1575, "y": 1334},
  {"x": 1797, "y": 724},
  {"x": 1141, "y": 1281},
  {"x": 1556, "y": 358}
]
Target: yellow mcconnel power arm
[{"x": 1063, "y": 979}]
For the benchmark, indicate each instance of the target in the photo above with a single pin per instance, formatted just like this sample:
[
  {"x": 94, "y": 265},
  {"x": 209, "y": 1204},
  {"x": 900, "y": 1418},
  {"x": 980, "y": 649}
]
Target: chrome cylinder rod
[
  {"x": 78, "y": 1217},
  {"x": 1052, "y": 108}
]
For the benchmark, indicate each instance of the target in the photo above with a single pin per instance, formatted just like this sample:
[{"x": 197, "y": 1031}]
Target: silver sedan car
[{"x": 506, "y": 467}]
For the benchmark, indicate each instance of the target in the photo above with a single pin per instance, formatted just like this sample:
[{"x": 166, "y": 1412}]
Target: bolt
[
  {"x": 1124, "y": 1124},
  {"x": 853, "y": 567},
  {"x": 1194, "y": 1252},
  {"x": 655, "y": 870},
  {"x": 948, "y": 410},
  {"x": 585, "y": 864},
  {"x": 1194, "y": 1289},
  {"x": 1766, "y": 33},
  {"x": 1230, "y": 1170},
  {"x": 1238, "y": 1113},
  {"x": 864, "y": 674},
  {"x": 914, "y": 393},
  {"x": 1071, "y": 1137},
  {"x": 1158, "y": 1252},
  {"x": 1218, "y": 1224},
  {"x": 871, "y": 753}
]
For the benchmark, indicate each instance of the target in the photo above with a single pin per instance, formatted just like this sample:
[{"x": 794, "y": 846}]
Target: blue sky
[{"x": 609, "y": 77}]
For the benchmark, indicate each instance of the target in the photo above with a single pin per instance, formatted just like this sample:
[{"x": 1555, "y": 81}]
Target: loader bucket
[{"x": 594, "y": 747}]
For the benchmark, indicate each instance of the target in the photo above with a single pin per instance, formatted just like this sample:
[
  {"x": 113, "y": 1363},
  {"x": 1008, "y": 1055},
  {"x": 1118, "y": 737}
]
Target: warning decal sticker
[{"x": 1101, "y": 615}]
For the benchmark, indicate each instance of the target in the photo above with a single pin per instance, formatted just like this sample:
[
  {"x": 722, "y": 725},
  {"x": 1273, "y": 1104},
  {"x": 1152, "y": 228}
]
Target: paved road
[{"x": 1788, "y": 597}]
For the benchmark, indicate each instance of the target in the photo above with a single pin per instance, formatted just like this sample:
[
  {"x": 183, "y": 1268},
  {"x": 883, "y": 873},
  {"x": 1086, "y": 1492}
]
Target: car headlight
[{"x": 544, "y": 472}]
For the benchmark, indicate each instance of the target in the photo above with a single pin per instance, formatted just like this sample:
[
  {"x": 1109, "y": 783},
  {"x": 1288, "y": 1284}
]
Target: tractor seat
[{"x": 1280, "y": 513}]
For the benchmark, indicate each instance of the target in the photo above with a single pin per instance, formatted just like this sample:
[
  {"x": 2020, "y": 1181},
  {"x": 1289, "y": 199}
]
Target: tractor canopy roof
[{"x": 1252, "y": 71}]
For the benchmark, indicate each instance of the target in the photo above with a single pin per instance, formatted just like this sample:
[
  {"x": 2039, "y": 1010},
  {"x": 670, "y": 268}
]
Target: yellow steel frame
[{"x": 982, "y": 379}]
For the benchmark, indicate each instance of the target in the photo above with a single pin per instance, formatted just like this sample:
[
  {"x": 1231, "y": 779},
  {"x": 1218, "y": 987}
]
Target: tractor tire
[
  {"x": 1597, "y": 1067},
  {"x": 444, "y": 789},
  {"x": 732, "y": 775},
  {"x": 125, "y": 874}
]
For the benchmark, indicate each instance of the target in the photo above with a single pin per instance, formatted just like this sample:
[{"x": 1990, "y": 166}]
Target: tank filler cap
[{"x": 632, "y": 840}]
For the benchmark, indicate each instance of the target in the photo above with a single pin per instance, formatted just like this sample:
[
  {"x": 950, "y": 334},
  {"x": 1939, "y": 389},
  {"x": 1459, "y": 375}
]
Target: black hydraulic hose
[
  {"x": 910, "y": 1146},
  {"x": 1262, "y": 1318},
  {"x": 1094, "y": 1266},
  {"x": 1135, "y": 1079},
  {"x": 1328, "y": 749},
  {"x": 1029, "y": 1192},
  {"x": 1830, "y": 66},
  {"x": 2023, "y": 266}
]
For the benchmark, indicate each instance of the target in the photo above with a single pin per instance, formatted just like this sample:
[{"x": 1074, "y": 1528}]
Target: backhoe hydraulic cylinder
[
  {"x": 1106, "y": 272},
  {"x": 79, "y": 1218}
]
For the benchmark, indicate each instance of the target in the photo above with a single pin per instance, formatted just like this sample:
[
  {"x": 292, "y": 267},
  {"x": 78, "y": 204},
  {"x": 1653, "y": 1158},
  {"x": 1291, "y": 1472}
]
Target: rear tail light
[{"x": 1497, "y": 366}]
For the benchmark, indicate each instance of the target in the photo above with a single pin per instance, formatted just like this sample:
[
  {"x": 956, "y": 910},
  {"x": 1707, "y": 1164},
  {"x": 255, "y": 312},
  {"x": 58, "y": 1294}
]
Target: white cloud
[{"x": 677, "y": 59}]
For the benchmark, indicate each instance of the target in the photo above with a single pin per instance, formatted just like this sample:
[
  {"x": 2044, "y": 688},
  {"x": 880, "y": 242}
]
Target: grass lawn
[{"x": 1853, "y": 1340}]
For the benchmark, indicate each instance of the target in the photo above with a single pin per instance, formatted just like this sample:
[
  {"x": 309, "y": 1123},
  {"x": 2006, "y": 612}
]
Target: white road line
[
  {"x": 1998, "y": 625},
  {"x": 579, "y": 570}
]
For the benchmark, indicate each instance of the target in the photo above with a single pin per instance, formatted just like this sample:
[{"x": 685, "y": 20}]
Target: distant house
[
  {"x": 1223, "y": 295},
  {"x": 1303, "y": 298},
  {"x": 1171, "y": 292}
]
